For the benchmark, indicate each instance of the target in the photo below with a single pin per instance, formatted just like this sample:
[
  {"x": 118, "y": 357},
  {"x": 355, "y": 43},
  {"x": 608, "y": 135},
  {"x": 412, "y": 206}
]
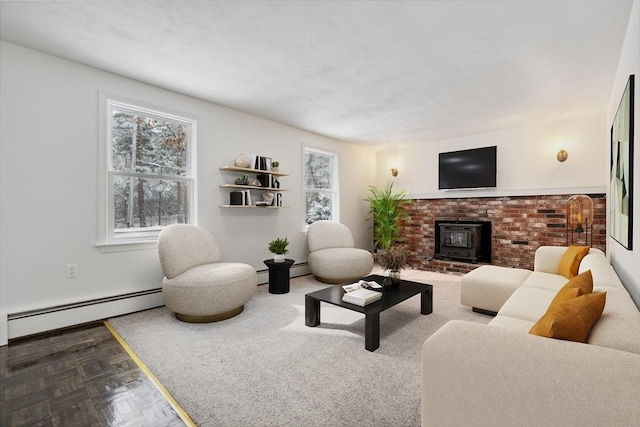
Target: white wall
[
  {"x": 526, "y": 158},
  {"x": 49, "y": 183},
  {"x": 625, "y": 262}
]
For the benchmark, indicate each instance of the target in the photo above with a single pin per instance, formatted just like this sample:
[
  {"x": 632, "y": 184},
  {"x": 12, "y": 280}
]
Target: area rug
[{"x": 266, "y": 368}]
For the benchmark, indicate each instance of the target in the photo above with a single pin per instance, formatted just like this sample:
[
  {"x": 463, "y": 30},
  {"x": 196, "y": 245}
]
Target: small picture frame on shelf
[{"x": 264, "y": 163}]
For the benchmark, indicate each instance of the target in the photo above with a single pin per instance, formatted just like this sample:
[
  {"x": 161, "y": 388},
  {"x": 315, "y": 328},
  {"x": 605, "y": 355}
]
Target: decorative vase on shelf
[
  {"x": 268, "y": 197},
  {"x": 278, "y": 257},
  {"x": 242, "y": 161}
]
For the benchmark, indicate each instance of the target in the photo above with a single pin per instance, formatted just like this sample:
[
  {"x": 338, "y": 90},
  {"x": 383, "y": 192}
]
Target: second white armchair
[{"x": 332, "y": 255}]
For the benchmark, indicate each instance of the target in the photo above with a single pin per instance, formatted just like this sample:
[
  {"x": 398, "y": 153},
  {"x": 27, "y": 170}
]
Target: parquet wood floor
[{"x": 77, "y": 377}]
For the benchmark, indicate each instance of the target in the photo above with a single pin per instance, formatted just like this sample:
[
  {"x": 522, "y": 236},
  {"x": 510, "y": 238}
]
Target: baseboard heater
[
  {"x": 61, "y": 316},
  {"x": 42, "y": 311}
]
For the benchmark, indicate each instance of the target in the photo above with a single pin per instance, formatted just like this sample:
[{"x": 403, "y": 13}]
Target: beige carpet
[{"x": 266, "y": 368}]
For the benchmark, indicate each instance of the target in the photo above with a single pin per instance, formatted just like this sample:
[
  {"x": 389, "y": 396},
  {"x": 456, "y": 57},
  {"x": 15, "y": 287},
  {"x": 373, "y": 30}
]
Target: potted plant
[
  {"x": 278, "y": 248},
  {"x": 386, "y": 209},
  {"x": 242, "y": 179},
  {"x": 275, "y": 166},
  {"x": 394, "y": 259}
]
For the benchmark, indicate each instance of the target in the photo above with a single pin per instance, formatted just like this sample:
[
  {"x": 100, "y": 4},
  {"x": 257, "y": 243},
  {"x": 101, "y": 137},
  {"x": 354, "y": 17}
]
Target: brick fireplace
[{"x": 519, "y": 225}]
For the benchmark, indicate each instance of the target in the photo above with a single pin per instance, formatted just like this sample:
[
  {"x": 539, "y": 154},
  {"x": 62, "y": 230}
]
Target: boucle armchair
[
  {"x": 197, "y": 286},
  {"x": 332, "y": 257}
]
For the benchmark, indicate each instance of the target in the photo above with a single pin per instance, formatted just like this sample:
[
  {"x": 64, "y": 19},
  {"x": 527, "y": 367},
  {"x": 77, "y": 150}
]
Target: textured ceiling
[{"x": 370, "y": 72}]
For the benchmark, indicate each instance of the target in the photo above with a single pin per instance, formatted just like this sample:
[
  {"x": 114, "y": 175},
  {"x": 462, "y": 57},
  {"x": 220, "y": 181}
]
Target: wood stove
[{"x": 463, "y": 240}]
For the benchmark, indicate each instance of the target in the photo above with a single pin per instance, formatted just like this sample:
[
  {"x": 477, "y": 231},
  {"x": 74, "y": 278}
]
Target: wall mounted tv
[{"x": 466, "y": 169}]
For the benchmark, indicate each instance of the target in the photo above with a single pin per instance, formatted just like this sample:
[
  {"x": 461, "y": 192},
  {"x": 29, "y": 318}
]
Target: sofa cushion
[
  {"x": 546, "y": 281},
  {"x": 571, "y": 319},
  {"x": 489, "y": 286},
  {"x": 528, "y": 303},
  {"x": 570, "y": 261}
]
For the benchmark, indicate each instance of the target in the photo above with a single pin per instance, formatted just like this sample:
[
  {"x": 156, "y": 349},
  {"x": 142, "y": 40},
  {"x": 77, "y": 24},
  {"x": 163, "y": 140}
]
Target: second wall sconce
[
  {"x": 394, "y": 171},
  {"x": 562, "y": 155}
]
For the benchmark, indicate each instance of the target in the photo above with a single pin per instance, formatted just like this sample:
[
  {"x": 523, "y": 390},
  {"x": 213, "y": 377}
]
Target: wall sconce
[
  {"x": 562, "y": 155},
  {"x": 580, "y": 217},
  {"x": 394, "y": 171}
]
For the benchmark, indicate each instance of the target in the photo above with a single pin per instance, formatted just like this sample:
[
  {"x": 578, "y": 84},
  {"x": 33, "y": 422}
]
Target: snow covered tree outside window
[
  {"x": 321, "y": 185},
  {"x": 149, "y": 171}
]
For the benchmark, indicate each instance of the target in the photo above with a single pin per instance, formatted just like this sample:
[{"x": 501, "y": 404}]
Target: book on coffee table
[
  {"x": 361, "y": 297},
  {"x": 362, "y": 284}
]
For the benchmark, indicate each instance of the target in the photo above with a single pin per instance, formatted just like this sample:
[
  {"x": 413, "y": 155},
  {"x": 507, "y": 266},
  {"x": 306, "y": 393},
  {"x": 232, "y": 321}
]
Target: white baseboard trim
[{"x": 51, "y": 318}]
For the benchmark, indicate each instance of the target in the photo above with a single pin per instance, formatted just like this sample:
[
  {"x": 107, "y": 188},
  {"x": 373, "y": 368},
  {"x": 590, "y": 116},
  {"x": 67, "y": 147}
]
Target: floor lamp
[{"x": 580, "y": 219}]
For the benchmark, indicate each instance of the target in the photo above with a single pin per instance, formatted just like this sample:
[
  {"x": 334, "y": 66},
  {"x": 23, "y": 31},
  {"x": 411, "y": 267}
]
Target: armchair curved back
[
  {"x": 184, "y": 246},
  {"x": 325, "y": 234}
]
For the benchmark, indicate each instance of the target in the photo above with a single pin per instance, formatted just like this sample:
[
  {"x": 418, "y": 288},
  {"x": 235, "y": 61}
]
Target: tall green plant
[{"x": 386, "y": 209}]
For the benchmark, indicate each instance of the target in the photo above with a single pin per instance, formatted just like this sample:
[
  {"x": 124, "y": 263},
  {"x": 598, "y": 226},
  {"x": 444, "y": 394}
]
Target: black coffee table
[{"x": 333, "y": 295}]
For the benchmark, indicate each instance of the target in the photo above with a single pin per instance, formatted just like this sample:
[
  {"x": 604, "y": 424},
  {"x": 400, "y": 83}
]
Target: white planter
[{"x": 278, "y": 257}]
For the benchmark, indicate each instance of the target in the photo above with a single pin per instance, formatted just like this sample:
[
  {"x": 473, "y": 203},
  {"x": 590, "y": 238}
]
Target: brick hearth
[{"x": 520, "y": 225}]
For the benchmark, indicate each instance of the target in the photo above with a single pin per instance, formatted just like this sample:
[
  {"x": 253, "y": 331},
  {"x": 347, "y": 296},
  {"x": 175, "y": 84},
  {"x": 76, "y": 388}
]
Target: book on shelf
[{"x": 361, "y": 297}]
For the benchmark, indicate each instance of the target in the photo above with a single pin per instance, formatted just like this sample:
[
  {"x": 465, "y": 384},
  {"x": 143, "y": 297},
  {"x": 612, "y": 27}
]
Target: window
[
  {"x": 320, "y": 185},
  {"x": 148, "y": 170}
]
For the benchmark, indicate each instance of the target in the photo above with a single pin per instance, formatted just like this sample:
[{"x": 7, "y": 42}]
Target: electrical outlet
[{"x": 72, "y": 271}]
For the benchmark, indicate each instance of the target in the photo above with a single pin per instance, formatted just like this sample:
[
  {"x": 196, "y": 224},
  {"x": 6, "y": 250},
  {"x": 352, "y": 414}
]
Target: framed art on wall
[{"x": 621, "y": 178}]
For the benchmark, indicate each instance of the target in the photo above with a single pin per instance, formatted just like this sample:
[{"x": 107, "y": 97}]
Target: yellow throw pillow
[
  {"x": 583, "y": 281},
  {"x": 572, "y": 319},
  {"x": 570, "y": 261},
  {"x": 566, "y": 293}
]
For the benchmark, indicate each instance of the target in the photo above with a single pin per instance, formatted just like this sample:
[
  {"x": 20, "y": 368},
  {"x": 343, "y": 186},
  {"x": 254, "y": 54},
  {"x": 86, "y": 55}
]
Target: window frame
[
  {"x": 334, "y": 191},
  {"x": 108, "y": 239}
]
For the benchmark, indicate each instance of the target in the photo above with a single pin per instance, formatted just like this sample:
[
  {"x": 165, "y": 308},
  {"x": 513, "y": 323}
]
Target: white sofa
[{"x": 500, "y": 375}]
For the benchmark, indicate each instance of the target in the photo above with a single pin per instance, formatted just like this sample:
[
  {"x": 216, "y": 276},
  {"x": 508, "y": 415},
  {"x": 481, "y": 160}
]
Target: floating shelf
[
  {"x": 247, "y": 170},
  {"x": 253, "y": 206},
  {"x": 251, "y": 187}
]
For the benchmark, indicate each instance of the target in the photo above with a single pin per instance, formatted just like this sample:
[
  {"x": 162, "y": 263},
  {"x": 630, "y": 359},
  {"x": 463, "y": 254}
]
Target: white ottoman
[{"x": 488, "y": 287}]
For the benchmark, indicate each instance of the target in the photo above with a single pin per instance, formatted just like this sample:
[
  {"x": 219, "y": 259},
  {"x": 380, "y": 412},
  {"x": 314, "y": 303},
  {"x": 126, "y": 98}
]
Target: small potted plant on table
[{"x": 278, "y": 248}]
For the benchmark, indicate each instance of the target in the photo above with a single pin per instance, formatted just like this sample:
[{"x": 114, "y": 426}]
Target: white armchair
[
  {"x": 332, "y": 257},
  {"x": 197, "y": 286}
]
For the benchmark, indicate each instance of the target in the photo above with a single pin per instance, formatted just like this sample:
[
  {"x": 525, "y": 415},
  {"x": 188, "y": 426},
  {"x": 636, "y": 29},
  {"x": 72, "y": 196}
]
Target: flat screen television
[{"x": 466, "y": 169}]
